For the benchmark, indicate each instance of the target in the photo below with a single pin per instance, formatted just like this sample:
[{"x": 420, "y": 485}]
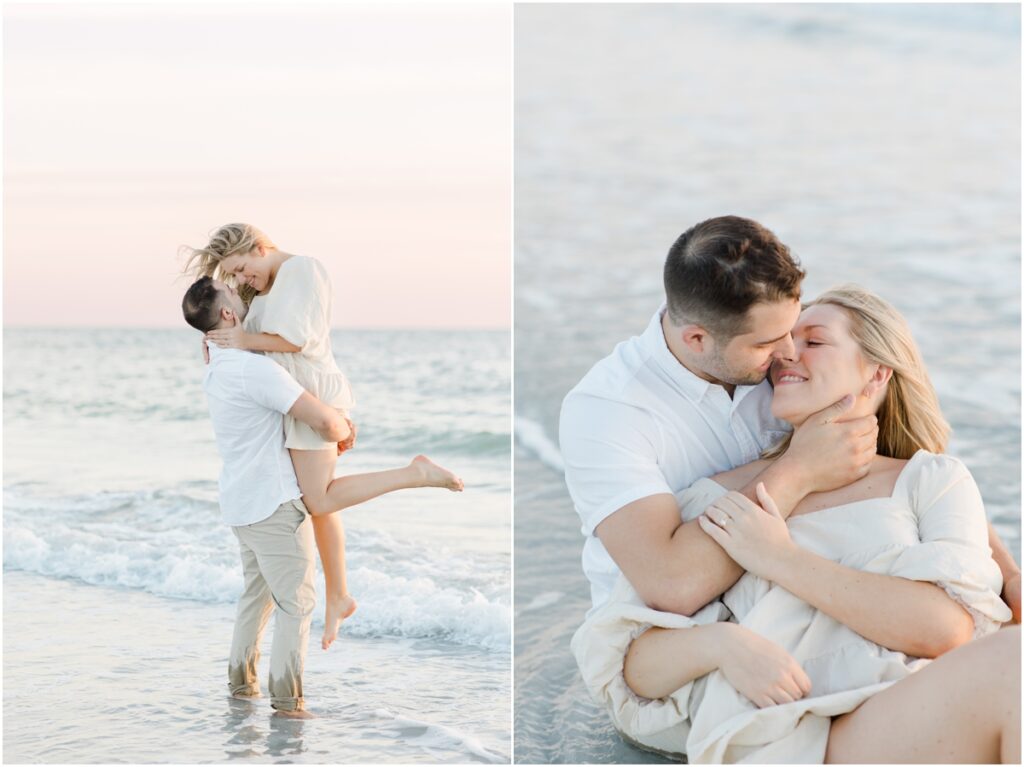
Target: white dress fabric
[
  {"x": 298, "y": 308},
  {"x": 932, "y": 528}
]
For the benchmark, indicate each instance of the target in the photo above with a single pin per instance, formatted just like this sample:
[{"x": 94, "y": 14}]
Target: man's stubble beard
[{"x": 725, "y": 374}]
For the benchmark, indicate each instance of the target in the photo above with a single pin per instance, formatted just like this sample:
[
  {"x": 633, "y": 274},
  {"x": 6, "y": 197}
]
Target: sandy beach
[{"x": 95, "y": 675}]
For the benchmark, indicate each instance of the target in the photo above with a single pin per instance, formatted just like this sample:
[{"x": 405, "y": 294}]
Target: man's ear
[
  {"x": 877, "y": 381},
  {"x": 695, "y": 338},
  {"x": 227, "y": 314}
]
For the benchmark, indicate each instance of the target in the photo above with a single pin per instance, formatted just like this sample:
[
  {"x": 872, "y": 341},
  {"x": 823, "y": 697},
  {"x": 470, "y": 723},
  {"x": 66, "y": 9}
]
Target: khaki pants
[{"x": 277, "y": 557}]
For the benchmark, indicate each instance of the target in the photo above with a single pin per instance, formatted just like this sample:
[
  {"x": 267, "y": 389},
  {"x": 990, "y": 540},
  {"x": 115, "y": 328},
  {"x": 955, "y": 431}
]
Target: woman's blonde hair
[
  {"x": 909, "y": 418},
  {"x": 228, "y": 240}
]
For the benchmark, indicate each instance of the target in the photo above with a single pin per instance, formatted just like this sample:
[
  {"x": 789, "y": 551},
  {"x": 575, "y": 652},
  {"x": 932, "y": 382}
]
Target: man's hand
[
  {"x": 206, "y": 353},
  {"x": 349, "y": 442},
  {"x": 1011, "y": 595},
  {"x": 760, "y": 670},
  {"x": 828, "y": 452},
  {"x": 228, "y": 338},
  {"x": 756, "y": 538}
]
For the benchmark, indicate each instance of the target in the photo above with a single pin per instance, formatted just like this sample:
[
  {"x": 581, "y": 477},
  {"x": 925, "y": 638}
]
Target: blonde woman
[
  {"x": 289, "y": 314},
  {"x": 820, "y": 652}
]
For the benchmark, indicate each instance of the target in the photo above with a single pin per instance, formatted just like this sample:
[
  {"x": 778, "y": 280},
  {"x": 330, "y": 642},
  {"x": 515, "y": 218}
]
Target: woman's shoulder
[
  {"x": 927, "y": 476},
  {"x": 303, "y": 264},
  {"x": 302, "y": 275},
  {"x": 926, "y": 464}
]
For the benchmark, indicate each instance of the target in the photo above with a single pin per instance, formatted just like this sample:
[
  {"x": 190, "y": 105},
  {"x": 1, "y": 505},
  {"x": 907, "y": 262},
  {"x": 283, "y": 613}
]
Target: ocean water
[
  {"x": 880, "y": 142},
  {"x": 110, "y": 498}
]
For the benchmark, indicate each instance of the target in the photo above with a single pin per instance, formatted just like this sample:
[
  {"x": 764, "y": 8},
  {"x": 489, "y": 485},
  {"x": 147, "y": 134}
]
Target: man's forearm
[
  {"x": 785, "y": 483},
  {"x": 699, "y": 572},
  {"x": 698, "y": 553},
  {"x": 269, "y": 342}
]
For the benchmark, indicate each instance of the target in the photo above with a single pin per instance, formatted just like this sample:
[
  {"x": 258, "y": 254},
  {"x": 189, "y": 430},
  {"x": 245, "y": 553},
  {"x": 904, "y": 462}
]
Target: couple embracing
[
  {"x": 279, "y": 406},
  {"x": 784, "y": 565}
]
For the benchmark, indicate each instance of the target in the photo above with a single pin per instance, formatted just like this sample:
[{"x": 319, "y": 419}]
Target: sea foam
[{"x": 174, "y": 545}]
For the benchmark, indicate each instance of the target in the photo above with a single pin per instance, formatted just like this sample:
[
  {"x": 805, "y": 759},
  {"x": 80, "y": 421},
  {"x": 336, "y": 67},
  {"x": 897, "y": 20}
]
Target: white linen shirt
[
  {"x": 640, "y": 424},
  {"x": 247, "y": 395}
]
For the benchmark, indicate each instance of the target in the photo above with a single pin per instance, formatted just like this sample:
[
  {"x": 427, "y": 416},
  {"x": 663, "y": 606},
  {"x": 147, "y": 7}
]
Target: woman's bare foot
[
  {"x": 436, "y": 476},
  {"x": 337, "y": 611}
]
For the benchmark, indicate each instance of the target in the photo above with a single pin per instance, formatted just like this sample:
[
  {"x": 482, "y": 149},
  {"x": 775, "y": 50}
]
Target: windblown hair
[
  {"x": 229, "y": 240},
  {"x": 720, "y": 268},
  {"x": 201, "y": 305},
  {"x": 909, "y": 418}
]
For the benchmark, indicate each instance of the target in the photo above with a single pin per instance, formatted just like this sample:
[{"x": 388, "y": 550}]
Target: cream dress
[
  {"x": 298, "y": 308},
  {"x": 932, "y": 528}
]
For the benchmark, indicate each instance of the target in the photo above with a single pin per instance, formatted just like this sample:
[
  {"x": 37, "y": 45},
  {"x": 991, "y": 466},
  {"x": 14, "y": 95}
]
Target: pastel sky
[{"x": 376, "y": 138}]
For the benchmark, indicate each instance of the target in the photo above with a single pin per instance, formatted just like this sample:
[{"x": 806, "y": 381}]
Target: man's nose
[{"x": 785, "y": 350}]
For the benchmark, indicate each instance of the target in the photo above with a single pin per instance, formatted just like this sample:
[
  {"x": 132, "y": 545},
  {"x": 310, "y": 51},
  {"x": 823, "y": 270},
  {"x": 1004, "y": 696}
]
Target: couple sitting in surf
[
  {"x": 790, "y": 569},
  {"x": 291, "y": 397}
]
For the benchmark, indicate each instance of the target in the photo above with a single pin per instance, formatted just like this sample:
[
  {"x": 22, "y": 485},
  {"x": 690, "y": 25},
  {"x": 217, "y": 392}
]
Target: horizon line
[{"x": 484, "y": 328}]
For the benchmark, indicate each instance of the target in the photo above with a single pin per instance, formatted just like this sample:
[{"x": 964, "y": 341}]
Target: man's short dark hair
[
  {"x": 201, "y": 305},
  {"x": 720, "y": 268}
]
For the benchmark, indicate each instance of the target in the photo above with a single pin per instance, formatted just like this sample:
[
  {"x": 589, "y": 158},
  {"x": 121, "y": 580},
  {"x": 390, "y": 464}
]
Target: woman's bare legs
[
  {"x": 323, "y": 494},
  {"x": 963, "y": 707}
]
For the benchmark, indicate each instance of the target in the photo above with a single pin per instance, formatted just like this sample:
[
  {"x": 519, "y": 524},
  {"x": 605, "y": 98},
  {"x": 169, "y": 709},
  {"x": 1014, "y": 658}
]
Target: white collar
[{"x": 689, "y": 383}]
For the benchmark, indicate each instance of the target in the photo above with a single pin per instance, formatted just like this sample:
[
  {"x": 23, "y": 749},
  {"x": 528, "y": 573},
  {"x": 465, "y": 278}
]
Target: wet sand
[{"x": 96, "y": 675}]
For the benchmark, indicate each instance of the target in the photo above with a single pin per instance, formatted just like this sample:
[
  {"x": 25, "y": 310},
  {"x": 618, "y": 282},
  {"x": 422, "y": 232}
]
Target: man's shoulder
[
  {"x": 242, "y": 367},
  {"x": 617, "y": 377},
  {"x": 613, "y": 398}
]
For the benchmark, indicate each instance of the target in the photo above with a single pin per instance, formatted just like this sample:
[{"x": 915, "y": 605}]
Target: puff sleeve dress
[
  {"x": 298, "y": 308},
  {"x": 932, "y": 528}
]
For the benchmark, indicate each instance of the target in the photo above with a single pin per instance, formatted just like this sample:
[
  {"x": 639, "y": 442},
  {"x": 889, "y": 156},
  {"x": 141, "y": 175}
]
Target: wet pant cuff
[{"x": 287, "y": 704}]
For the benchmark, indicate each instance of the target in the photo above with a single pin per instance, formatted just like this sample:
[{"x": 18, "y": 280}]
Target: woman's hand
[
  {"x": 756, "y": 538},
  {"x": 349, "y": 442},
  {"x": 229, "y": 338},
  {"x": 760, "y": 670}
]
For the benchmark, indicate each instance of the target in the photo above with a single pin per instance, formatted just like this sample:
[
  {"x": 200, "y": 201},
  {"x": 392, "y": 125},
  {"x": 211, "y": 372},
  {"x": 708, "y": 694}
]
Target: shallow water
[
  {"x": 95, "y": 675},
  {"x": 881, "y": 143},
  {"x": 110, "y": 489}
]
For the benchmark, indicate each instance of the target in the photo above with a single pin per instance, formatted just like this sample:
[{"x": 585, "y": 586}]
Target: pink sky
[{"x": 376, "y": 138}]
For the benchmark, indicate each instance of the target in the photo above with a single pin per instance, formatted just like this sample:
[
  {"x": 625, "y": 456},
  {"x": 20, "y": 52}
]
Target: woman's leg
[
  {"x": 314, "y": 469},
  {"x": 963, "y": 707},
  {"x": 323, "y": 494}
]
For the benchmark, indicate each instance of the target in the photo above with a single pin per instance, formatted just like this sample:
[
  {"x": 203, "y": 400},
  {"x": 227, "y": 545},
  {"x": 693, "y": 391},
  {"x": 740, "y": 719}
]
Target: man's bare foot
[
  {"x": 297, "y": 714},
  {"x": 337, "y": 611},
  {"x": 436, "y": 476}
]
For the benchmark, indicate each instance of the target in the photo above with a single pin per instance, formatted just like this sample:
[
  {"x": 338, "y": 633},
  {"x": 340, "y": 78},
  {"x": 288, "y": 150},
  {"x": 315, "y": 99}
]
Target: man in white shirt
[
  {"x": 260, "y": 498},
  {"x": 689, "y": 399}
]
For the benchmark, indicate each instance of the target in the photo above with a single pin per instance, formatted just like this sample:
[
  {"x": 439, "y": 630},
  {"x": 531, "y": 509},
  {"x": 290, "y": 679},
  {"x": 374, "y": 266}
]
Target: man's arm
[
  {"x": 674, "y": 566},
  {"x": 1010, "y": 570},
  {"x": 324, "y": 420}
]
